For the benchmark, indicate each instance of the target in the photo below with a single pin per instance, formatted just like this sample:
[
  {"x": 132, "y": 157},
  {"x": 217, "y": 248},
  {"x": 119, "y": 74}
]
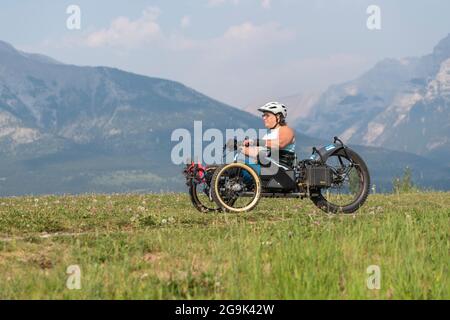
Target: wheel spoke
[
  {"x": 200, "y": 193},
  {"x": 235, "y": 188},
  {"x": 346, "y": 181}
]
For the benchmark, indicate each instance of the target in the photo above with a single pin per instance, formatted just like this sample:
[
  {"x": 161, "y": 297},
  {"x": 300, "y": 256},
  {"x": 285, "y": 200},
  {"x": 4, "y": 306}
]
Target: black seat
[{"x": 287, "y": 158}]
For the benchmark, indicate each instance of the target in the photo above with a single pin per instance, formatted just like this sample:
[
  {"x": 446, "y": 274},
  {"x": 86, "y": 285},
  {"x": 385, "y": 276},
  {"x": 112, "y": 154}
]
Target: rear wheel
[
  {"x": 236, "y": 187},
  {"x": 350, "y": 183}
]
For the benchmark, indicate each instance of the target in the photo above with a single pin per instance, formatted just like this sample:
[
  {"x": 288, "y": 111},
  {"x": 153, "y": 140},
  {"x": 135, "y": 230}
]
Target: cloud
[
  {"x": 124, "y": 33},
  {"x": 268, "y": 32},
  {"x": 185, "y": 22},
  {"x": 128, "y": 33},
  {"x": 247, "y": 39},
  {"x": 178, "y": 42},
  {"x": 237, "y": 41},
  {"x": 215, "y": 3},
  {"x": 266, "y": 4},
  {"x": 241, "y": 61}
]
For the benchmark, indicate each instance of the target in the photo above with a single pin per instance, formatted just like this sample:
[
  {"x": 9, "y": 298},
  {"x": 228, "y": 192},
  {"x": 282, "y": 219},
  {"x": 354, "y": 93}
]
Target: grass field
[{"x": 159, "y": 247}]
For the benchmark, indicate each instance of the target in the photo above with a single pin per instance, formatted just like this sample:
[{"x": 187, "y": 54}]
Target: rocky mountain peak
[
  {"x": 400, "y": 104},
  {"x": 442, "y": 50},
  {"x": 5, "y": 47}
]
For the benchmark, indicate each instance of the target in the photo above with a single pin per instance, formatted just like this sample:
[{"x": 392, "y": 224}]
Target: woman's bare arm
[{"x": 285, "y": 136}]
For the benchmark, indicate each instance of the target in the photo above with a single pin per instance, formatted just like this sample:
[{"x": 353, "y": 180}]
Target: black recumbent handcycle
[{"x": 334, "y": 177}]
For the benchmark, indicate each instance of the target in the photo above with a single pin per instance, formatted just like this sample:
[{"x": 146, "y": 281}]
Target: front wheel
[
  {"x": 235, "y": 187},
  {"x": 350, "y": 183},
  {"x": 199, "y": 192}
]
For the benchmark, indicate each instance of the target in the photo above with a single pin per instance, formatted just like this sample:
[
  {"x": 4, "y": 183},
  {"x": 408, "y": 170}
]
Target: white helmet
[{"x": 275, "y": 108}]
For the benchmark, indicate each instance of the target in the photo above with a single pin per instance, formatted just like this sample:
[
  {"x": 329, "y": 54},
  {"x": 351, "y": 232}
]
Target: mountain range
[
  {"x": 399, "y": 104},
  {"x": 74, "y": 129},
  {"x": 300, "y": 105}
]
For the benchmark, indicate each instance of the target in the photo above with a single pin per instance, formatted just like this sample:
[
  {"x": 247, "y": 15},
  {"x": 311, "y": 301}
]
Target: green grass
[{"x": 159, "y": 247}]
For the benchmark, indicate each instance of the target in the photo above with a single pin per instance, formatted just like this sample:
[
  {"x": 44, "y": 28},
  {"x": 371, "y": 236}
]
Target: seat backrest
[{"x": 288, "y": 158}]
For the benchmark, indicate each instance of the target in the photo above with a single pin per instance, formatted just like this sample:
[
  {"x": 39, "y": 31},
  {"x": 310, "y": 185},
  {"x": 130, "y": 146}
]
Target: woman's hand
[{"x": 248, "y": 142}]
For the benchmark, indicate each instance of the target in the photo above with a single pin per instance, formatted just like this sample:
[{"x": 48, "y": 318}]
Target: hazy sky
[{"x": 237, "y": 51}]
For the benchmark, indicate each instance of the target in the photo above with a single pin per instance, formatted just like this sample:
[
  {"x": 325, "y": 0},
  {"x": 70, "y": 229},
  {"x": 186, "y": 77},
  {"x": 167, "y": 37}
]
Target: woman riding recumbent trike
[{"x": 334, "y": 177}]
